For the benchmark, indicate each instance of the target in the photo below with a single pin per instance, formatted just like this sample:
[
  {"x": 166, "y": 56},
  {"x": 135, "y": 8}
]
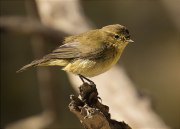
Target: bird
[{"x": 88, "y": 54}]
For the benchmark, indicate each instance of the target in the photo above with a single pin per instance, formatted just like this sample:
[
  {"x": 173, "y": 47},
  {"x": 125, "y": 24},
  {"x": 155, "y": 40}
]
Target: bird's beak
[{"x": 130, "y": 41}]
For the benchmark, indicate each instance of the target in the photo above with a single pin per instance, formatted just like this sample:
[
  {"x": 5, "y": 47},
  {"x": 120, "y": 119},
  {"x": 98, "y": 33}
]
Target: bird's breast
[{"x": 93, "y": 67}]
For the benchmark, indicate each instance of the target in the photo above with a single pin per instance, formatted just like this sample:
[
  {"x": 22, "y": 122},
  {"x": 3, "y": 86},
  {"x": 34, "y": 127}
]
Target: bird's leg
[
  {"x": 82, "y": 77},
  {"x": 91, "y": 82}
]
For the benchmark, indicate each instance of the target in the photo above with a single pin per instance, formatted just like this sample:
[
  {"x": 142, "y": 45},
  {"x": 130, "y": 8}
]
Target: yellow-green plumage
[{"x": 90, "y": 53}]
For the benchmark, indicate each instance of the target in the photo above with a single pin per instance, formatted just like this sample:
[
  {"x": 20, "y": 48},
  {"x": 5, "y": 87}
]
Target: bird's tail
[{"x": 33, "y": 64}]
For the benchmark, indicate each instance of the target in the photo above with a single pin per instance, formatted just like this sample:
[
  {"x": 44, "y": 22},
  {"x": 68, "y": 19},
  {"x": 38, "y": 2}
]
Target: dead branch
[
  {"x": 29, "y": 26},
  {"x": 92, "y": 113}
]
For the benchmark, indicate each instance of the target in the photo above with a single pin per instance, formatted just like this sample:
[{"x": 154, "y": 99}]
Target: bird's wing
[
  {"x": 68, "y": 50},
  {"x": 74, "y": 49}
]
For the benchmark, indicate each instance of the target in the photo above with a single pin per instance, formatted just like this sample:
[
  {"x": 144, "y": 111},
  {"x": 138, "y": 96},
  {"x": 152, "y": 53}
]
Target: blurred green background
[{"x": 152, "y": 62}]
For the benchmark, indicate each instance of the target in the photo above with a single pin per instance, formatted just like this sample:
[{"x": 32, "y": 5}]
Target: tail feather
[{"x": 32, "y": 64}]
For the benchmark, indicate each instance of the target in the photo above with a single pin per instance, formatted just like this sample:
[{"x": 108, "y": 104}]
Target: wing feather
[{"x": 79, "y": 47}]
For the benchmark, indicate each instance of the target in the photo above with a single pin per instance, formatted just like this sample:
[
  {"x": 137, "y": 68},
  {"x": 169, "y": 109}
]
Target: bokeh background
[{"x": 152, "y": 62}]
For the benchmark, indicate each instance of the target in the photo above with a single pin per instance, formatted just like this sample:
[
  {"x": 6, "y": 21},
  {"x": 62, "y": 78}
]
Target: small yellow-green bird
[{"x": 88, "y": 54}]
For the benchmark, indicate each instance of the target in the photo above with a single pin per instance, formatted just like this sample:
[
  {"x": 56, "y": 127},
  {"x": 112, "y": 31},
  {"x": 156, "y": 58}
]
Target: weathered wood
[{"x": 92, "y": 113}]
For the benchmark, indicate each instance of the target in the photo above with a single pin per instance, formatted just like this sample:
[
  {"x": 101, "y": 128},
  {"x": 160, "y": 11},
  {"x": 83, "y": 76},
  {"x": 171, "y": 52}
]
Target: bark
[{"x": 92, "y": 113}]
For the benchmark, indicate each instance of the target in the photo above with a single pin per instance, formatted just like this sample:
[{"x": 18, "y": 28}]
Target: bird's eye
[{"x": 116, "y": 37}]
